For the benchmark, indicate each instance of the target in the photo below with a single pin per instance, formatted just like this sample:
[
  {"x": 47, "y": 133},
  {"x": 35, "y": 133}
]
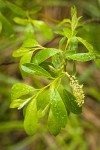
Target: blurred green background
[{"x": 82, "y": 132}]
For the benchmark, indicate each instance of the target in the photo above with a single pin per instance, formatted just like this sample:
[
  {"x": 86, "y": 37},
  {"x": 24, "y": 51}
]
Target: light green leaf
[
  {"x": 86, "y": 44},
  {"x": 70, "y": 103},
  {"x": 53, "y": 125},
  {"x": 82, "y": 57},
  {"x": 73, "y": 44},
  {"x": 63, "y": 22},
  {"x": 29, "y": 31},
  {"x": 25, "y": 59},
  {"x": 20, "y": 89},
  {"x": 44, "y": 54},
  {"x": 67, "y": 32},
  {"x": 21, "y": 21},
  {"x": 43, "y": 99},
  {"x": 74, "y": 22},
  {"x": 58, "y": 107},
  {"x": 17, "y": 10},
  {"x": 19, "y": 103},
  {"x": 35, "y": 69},
  {"x": 31, "y": 119},
  {"x": 21, "y": 51},
  {"x": 30, "y": 43},
  {"x": 60, "y": 32},
  {"x": 56, "y": 61},
  {"x": 44, "y": 28}
]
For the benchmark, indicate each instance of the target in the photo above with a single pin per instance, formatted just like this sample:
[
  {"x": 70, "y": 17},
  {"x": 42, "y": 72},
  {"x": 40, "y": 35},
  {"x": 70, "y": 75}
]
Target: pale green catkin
[{"x": 77, "y": 90}]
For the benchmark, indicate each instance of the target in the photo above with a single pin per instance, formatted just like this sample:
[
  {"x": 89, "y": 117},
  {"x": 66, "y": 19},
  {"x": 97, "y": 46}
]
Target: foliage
[
  {"x": 43, "y": 50},
  {"x": 60, "y": 101}
]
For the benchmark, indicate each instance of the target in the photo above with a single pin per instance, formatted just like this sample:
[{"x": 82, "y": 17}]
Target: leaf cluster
[{"x": 53, "y": 100}]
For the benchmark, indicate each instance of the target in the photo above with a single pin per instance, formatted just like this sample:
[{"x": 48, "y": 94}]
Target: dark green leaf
[
  {"x": 50, "y": 68},
  {"x": 31, "y": 119},
  {"x": 58, "y": 108},
  {"x": 44, "y": 54},
  {"x": 53, "y": 125},
  {"x": 82, "y": 57},
  {"x": 20, "y": 89},
  {"x": 34, "y": 69},
  {"x": 35, "y": 9},
  {"x": 70, "y": 102},
  {"x": 17, "y": 10},
  {"x": 7, "y": 28}
]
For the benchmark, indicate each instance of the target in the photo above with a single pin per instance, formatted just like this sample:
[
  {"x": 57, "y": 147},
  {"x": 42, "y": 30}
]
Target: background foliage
[{"x": 81, "y": 132}]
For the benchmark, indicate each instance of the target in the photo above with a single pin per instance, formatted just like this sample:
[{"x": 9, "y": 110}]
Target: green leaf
[
  {"x": 17, "y": 10},
  {"x": 44, "y": 28},
  {"x": 60, "y": 90},
  {"x": 34, "y": 69},
  {"x": 25, "y": 59},
  {"x": 60, "y": 32},
  {"x": 67, "y": 32},
  {"x": 44, "y": 54},
  {"x": 53, "y": 125},
  {"x": 7, "y": 28},
  {"x": 86, "y": 44},
  {"x": 28, "y": 43},
  {"x": 31, "y": 119},
  {"x": 43, "y": 99},
  {"x": 75, "y": 19},
  {"x": 82, "y": 57},
  {"x": 29, "y": 31},
  {"x": 50, "y": 68},
  {"x": 73, "y": 44},
  {"x": 58, "y": 107},
  {"x": 63, "y": 22},
  {"x": 62, "y": 43},
  {"x": 20, "y": 89},
  {"x": 70, "y": 102},
  {"x": 19, "y": 103},
  {"x": 56, "y": 61},
  {"x": 21, "y": 51},
  {"x": 21, "y": 21}
]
